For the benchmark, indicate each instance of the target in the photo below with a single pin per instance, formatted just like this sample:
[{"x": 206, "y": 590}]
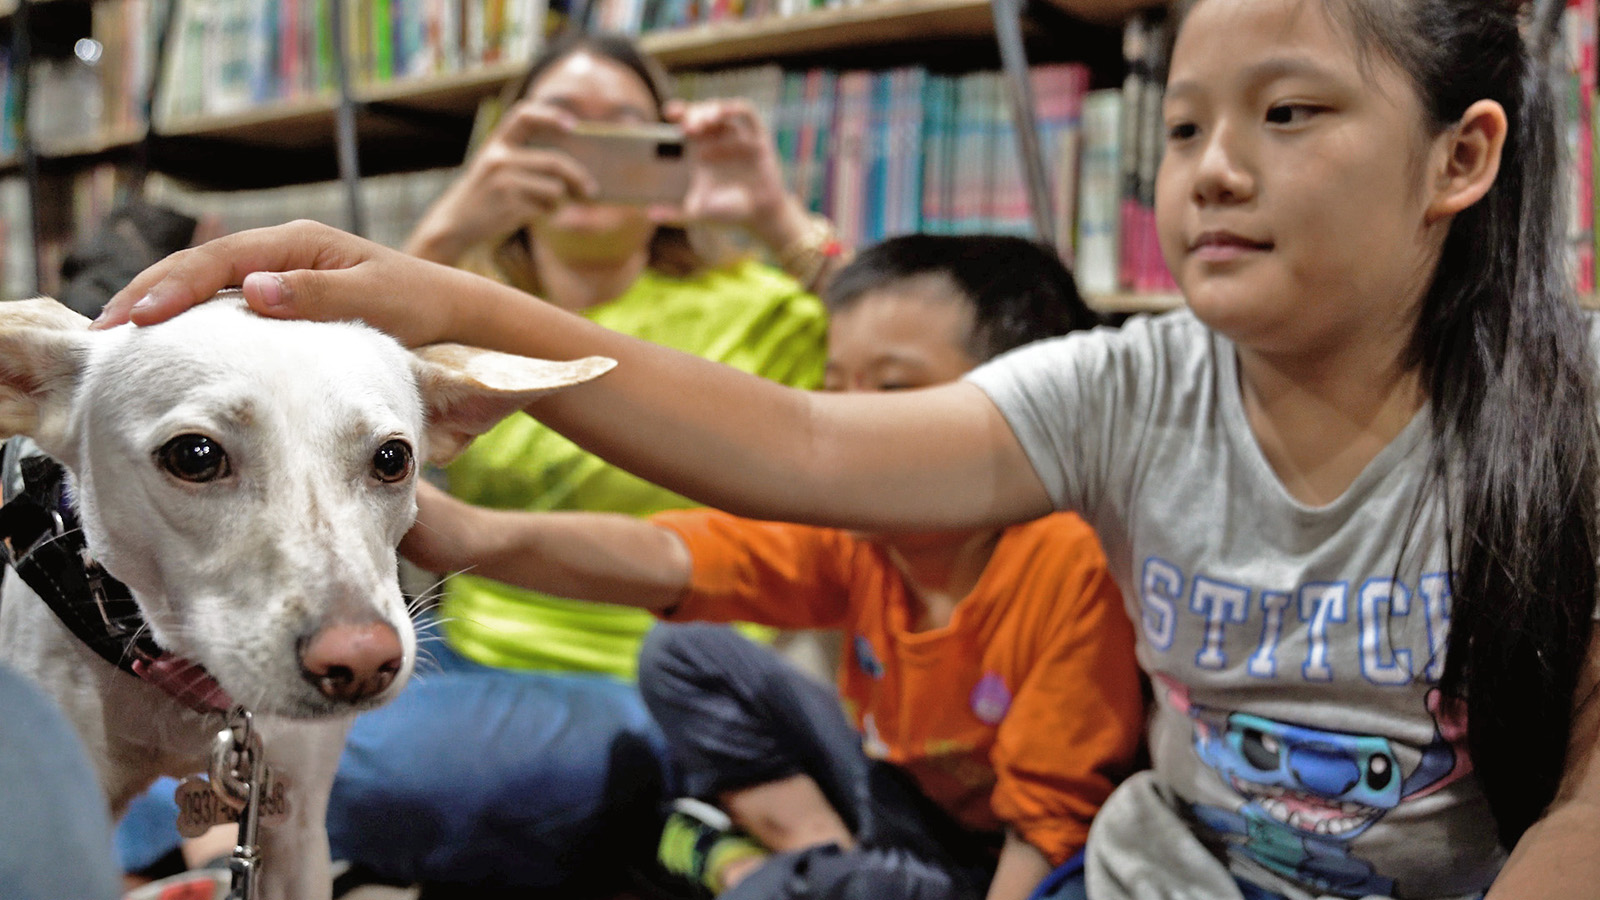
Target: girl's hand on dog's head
[{"x": 302, "y": 270}]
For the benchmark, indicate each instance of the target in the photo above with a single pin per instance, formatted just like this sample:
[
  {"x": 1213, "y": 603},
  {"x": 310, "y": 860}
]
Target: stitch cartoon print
[{"x": 1307, "y": 792}]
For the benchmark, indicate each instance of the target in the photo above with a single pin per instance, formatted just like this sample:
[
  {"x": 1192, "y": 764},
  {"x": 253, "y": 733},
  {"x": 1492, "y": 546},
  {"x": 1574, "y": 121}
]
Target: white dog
[{"x": 247, "y": 479}]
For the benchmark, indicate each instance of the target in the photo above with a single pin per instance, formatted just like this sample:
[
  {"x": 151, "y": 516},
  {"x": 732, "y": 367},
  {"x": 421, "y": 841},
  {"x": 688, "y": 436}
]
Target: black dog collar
[{"x": 41, "y": 539}]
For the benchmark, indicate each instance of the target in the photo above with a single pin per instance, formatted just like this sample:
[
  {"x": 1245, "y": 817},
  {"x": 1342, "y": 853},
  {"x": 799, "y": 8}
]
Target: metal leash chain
[{"x": 238, "y": 775}]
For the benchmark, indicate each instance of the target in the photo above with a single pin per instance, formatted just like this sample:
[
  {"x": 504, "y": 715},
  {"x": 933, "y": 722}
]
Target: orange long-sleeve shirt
[{"x": 1024, "y": 710}]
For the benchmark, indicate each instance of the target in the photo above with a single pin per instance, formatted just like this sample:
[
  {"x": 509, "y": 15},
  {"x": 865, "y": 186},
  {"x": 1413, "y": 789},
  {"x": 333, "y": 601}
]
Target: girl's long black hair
[{"x": 1504, "y": 353}]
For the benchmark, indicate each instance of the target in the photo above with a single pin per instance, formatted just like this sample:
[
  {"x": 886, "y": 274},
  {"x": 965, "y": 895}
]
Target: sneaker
[{"x": 698, "y": 842}]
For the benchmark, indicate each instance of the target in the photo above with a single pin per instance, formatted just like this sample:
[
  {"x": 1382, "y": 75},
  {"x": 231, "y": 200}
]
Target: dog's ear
[
  {"x": 42, "y": 346},
  {"x": 465, "y": 391}
]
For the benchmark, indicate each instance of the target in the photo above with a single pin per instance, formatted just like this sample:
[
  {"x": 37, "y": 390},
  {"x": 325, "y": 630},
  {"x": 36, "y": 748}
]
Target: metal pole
[
  {"x": 22, "y": 66},
  {"x": 1014, "y": 63},
  {"x": 345, "y": 139}
]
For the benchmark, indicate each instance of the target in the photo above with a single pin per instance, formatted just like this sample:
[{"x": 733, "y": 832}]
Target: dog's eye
[
  {"x": 194, "y": 457},
  {"x": 392, "y": 462}
]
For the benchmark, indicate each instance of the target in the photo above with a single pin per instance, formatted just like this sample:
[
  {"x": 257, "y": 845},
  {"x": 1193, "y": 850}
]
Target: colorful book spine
[
  {"x": 1100, "y": 193},
  {"x": 849, "y": 161},
  {"x": 1578, "y": 30},
  {"x": 906, "y": 160},
  {"x": 1058, "y": 91},
  {"x": 1008, "y": 207},
  {"x": 939, "y": 98}
]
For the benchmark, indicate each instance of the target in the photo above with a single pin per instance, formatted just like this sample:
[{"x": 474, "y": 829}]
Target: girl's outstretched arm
[
  {"x": 934, "y": 459},
  {"x": 1557, "y": 857}
]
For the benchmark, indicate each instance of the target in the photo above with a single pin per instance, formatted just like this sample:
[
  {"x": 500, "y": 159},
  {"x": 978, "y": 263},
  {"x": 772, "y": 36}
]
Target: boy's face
[{"x": 907, "y": 334}]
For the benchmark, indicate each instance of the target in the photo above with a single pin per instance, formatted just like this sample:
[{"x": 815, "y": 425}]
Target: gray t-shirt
[{"x": 1294, "y": 650}]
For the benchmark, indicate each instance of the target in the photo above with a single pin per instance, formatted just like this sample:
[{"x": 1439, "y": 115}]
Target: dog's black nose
[{"x": 349, "y": 662}]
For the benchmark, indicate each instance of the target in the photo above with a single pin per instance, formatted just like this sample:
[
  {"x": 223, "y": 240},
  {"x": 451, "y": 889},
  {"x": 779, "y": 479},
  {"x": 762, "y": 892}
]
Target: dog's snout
[{"x": 349, "y": 662}]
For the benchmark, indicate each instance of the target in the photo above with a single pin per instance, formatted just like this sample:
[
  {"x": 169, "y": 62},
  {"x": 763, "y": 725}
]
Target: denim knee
[{"x": 675, "y": 657}]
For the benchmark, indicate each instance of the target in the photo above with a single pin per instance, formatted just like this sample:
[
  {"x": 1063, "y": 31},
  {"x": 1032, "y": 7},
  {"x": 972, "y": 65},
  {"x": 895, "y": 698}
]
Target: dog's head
[{"x": 249, "y": 478}]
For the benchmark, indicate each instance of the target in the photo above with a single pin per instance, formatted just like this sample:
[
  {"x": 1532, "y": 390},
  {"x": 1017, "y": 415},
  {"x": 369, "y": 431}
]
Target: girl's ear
[{"x": 1467, "y": 159}]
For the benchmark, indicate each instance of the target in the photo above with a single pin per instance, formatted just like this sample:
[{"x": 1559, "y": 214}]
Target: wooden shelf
[
  {"x": 455, "y": 93},
  {"x": 93, "y": 144},
  {"x": 291, "y": 122},
  {"x": 1134, "y": 303},
  {"x": 301, "y": 122},
  {"x": 868, "y": 23},
  {"x": 310, "y": 121},
  {"x": 872, "y": 22},
  {"x": 78, "y": 148}
]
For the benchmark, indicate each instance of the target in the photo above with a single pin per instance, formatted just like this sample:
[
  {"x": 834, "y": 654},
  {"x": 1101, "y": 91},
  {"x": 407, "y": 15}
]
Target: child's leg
[
  {"x": 753, "y": 734},
  {"x": 788, "y": 814},
  {"x": 743, "y": 723}
]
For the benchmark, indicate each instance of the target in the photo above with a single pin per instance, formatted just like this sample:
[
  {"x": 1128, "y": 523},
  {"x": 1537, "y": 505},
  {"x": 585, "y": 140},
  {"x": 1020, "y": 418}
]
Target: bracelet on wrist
[{"x": 806, "y": 257}]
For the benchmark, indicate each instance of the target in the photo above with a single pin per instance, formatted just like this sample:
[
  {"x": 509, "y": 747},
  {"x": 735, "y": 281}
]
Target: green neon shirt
[{"x": 749, "y": 316}]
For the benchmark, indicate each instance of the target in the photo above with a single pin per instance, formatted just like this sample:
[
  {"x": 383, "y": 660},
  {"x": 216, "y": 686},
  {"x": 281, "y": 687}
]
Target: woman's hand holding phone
[
  {"x": 508, "y": 183},
  {"x": 736, "y": 178}
]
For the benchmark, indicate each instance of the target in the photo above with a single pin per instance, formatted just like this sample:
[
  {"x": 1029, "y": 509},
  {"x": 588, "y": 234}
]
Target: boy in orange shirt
[{"x": 989, "y": 675}]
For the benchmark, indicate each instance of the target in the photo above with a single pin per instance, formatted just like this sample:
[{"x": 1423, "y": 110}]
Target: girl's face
[
  {"x": 595, "y": 89},
  {"x": 1291, "y": 199}
]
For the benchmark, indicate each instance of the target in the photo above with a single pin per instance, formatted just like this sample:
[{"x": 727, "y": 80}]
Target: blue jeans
[
  {"x": 482, "y": 776},
  {"x": 55, "y": 835}
]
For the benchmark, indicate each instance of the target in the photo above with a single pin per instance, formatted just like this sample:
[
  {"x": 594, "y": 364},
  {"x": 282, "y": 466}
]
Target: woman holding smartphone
[{"x": 522, "y": 756}]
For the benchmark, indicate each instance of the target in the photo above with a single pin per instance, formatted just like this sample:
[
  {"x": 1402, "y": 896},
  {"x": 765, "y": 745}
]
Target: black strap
[{"x": 47, "y": 550}]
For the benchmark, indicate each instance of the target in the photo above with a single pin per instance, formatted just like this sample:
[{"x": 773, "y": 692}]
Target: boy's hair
[
  {"x": 1019, "y": 289},
  {"x": 1504, "y": 354}
]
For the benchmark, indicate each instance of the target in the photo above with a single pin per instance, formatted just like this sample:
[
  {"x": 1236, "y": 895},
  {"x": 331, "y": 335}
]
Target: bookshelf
[
  {"x": 297, "y": 122},
  {"x": 91, "y": 145},
  {"x": 419, "y": 123},
  {"x": 870, "y": 24}
]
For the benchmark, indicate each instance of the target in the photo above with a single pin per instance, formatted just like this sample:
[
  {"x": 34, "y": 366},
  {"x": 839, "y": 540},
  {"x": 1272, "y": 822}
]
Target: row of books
[
  {"x": 230, "y": 55},
  {"x": 8, "y": 106},
  {"x": 638, "y": 16},
  {"x": 902, "y": 150},
  {"x": 879, "y": 152},
  {"x": 126, "y": 33},
  {"x": 393, "y": 204}
]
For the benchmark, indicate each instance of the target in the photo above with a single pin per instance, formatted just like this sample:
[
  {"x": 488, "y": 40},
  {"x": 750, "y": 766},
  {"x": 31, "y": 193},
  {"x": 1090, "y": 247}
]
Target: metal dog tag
[{"x": 200, "y": 807}]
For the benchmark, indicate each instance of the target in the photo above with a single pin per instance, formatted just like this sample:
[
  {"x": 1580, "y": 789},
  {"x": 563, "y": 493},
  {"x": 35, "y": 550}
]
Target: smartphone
[{"x": 634, "y": 164}]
